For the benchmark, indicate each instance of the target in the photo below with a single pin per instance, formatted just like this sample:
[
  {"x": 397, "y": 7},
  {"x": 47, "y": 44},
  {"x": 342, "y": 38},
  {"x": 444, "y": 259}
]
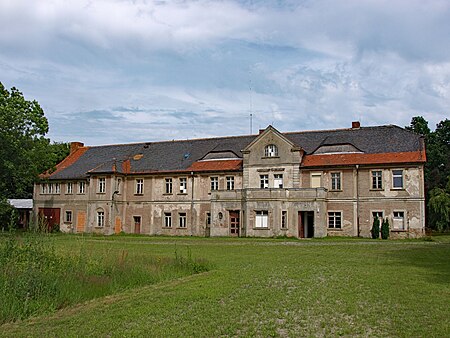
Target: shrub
[
  {"x": 375, "y": 228},
  {"x": 385, "y": 229}
]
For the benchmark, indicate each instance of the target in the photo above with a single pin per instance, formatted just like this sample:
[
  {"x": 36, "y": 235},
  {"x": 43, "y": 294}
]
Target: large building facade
[{"x": 298, "y": 184}]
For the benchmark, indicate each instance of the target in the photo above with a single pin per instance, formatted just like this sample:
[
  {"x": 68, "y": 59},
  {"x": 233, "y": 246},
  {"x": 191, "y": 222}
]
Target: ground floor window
[
  {"x": 100, "y": 218},
  {"x": 182, "y": 220},
  {"x": 68, "y": 216},
  {"x": 167, "y": 219},
  {"x": 335, "y": 219},
  {"x": 284, "y": 219},
  {"x": 262, "y": 219},
  {"x": 399, "y": 220}
]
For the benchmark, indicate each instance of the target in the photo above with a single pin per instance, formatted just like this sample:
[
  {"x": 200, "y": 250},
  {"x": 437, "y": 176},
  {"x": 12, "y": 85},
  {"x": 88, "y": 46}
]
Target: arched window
[{"x": 271, "y": 150}]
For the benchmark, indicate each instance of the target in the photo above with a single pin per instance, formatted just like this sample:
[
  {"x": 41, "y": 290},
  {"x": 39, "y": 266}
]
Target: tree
[
  {"x": 440, "y": 206},
  {"x": 24, "y": 150},
  {"x": 385, "y": 229},
  {"x": 375, "y": 228},
  {"x": 419, "y": 125}
]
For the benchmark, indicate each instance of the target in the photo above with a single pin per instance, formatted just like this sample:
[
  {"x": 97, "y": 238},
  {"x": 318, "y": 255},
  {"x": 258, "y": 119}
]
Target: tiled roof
[
  {"x": 216, "y": 165},
  {"x": 179, "y": 156}
]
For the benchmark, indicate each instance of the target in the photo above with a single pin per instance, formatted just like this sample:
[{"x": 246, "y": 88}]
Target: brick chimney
[
  {"x": 75, "y": 145},
  {"x": 261, "y": 131},
  {"x": 356, "y": 125}
]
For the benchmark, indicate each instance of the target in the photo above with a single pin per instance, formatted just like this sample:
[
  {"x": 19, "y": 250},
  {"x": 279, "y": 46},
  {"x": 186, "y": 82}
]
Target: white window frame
[
  {"x": 316, "y": 174},
  {"x": 43, "y": 188},
  {"x": 271, "y": 150},
  {"x": 167, "y": 219},
  {"x": 101, "y": 188},
  {"x": 182, "y": 220},
  {"x": 278, "y": 181},
  {"x": 261, "y": 219},
  {"x": 69, "y": 188},
  {"x": 264, "y": 181},
  {"x": 208, "y": 218},
  {"x": 214, "y": 183},
  {"x": 139, "y": 186},
  {"x": 336, "y": 181},
  {"x": 284, "y": 219},
  {"x": 169, "y": 185},
  {"x": 396, "y": 219},
  {"x": 100, "y": 219},
  {"x": 334, "y": 219},
  {"x": 376, "y": 180},
  {"x": 81, "y": 187},
  {"x": 394, "y": 176},
  {"x": 372, "y": 216},
  {"x": 68, "y": 216},
  {"x": 230, "y": 182},
  {"x": 183, "y": 185},
  {"x": 57, "y": 188},
  {"x": 50, "y": 188}
]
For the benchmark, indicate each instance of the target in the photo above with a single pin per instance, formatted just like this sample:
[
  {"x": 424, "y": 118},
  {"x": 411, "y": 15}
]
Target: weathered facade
[{"x": 303, "y": 184}]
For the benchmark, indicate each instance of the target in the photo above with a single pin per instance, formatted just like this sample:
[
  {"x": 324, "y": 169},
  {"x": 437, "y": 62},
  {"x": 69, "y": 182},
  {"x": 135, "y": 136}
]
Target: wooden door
[
  {"x": 81, "y": 221},
  {"x": 137, "y": 224},
  {"x": 234, "y": 223},
  {"x": 301, "y": 225},
  {"x": 50, "y": 217}
]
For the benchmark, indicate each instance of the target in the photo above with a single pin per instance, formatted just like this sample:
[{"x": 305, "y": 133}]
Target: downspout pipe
[{"x": 357, "y": 201}]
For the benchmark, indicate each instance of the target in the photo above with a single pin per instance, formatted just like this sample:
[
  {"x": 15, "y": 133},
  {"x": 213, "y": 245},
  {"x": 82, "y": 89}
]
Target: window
[
  {"x": 264, "y": 181},
  {"x": 230, "y": 182},
  {"x": 168, "y": 185},
  {"x": 100, "y": 218},
  {"x": 262, "y": 218},
  {"x": 69, "y": 188},
  {"x": 214, "y": 183},
  {"x": 397, "y": 179},
  {"x": 50, "y": 188},
  {"x": 284, "y": 219},
  {"x": 379, "y": 215},
  {"x": 167, "y": 219},
  {"x": 278, "y": 181},
  {"x": 139, "y": 186},
  {"x": 81, "y": 187},
  {"x": 183, "y": 185},
  {"x": 377, "y": 179},
  {"x": 271, "y": 150},
  {"x": 334, "y": 219},
  {"x": 208, "y": 218},
  {"x": 399, "y": 220},
  {"x": 101, "y": 185},
  {"x": 335, "y": 181},
  {"x": 182, "y": 220},
  {"x": 68, "y": 218},
  {"x": 316, "y": 180},
  {"x": 43, "y": 188},
  {"x": 57, "y": 188}
]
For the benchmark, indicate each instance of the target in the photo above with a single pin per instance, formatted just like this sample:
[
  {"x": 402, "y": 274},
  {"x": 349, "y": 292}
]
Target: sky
[{"x": 118, "y": 71}]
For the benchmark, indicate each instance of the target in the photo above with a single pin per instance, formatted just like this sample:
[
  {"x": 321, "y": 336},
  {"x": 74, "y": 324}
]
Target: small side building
[{"x": 25, "y": 210}]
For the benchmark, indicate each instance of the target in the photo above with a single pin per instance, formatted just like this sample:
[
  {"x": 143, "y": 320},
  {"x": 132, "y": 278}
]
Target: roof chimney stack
[
  {"x": 75, "y": 145},
  {"x": 356, "y": 125},
  {"x": 261, "y": 131}
]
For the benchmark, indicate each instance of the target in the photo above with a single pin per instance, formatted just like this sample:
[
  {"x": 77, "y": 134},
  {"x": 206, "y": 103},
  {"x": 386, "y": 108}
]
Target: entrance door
[
  {"x": 301, "y": 225},
  {"x": 305, "y": 224},
  {"x": 234, "y": 223},
  {"x": 50, "y": 217},
  {"x": 137, "y": 224}
]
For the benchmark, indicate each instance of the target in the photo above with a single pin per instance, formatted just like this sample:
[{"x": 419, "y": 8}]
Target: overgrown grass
[
  {"x": 36, "y": 278},
  {"x": 264, "y": 288}
]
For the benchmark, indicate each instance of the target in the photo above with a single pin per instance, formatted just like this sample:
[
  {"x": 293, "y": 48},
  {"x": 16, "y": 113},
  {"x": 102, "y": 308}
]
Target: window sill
[
  {"x": 168, "y": 194},
  {"x": 182, "y": 193},
  {"x": 264, "y": 157},
  {"x": 398, "y": 189},
  {"x": 376, "y": 189},
  {"x": 101, "y": 193},
  {"x": 261, "y": 228},
  {"x": 166, "y": 227},
  {"x": 335, "y": 190},
  {"x": 138, "y": 194},
  {"x": 67, "y": 222},
  {"x": 335, "y": 229},
  {"x": 182, "y": 228},
  {"x": 99, "y": 227}
]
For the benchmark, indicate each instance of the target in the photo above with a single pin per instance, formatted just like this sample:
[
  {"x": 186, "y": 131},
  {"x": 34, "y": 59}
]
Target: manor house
[{"x": 296, "y": 184}]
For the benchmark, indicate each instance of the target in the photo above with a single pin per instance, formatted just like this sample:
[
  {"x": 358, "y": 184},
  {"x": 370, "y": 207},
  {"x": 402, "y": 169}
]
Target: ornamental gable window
[{"x": 271, "y": 150}]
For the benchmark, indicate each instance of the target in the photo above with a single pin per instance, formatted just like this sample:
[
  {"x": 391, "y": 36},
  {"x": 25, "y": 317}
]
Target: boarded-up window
[
  {"x": 262, "y": 218},
  {"x": 316, "y": 180},
  {"x": 399, "y": 220}
]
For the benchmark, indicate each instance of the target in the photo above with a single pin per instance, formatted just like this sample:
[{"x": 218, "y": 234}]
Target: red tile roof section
[
  {"x": 217, "y": 165},
  {"x": 349, "y": 159},
  {"x": 67, "y": 162}
]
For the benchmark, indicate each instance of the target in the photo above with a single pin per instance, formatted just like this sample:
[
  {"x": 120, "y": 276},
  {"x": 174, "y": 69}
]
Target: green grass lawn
[{"x": 255, "y": 287}]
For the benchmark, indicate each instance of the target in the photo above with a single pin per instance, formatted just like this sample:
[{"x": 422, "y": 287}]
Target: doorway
[
  {"x": 305, "y": 224},
  {"x": 234, "y": 223},
  {"x": 50, "y": 217},
  {"x": 137, "y": 224}
]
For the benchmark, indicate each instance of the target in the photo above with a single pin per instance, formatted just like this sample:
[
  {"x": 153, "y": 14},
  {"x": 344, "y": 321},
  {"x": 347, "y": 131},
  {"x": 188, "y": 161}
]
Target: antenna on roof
[
  {"x": 251, "y": 101},
  {"x": 251, "y": 121}
]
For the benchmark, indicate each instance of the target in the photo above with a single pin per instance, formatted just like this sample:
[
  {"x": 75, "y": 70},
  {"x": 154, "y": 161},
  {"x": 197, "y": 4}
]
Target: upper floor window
[
  {"x": 168, "y": 185},
  {"x": 271, "y": 150},
  {"x": 57, "y": 188},
  {"x": 81, "y": 187},
  {"x": 50, "y": 188},
  {"x": 214, "y": 183},
  {"x": 102, "y": 185},
  {"x": 139, "y": 186},
  {"x": 264, "y": 181},
  {"x": 377, "y": 179},
  {"x": 69, "y": 188},
  {"x": 278, "y": 181},
  {"x": 183, "y": 185},
  {"x": 43, "y": 188},
  {"x": 230, "y": 182},
  {"x": 316, "y": 180},
  {"x": 335, "y": 181},
  {"x": 397, "y": 179}
]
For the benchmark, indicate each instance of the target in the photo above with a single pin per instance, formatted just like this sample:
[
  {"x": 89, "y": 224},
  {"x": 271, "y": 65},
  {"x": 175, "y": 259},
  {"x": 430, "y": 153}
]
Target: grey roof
[
  {"x": 21, "y": 203},
  {"x": 179, "y": 155}
]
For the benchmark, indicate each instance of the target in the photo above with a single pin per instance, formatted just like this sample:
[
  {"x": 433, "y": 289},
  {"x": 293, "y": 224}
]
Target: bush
[
  {"x": 375, "y": 228},
  {"x": 8, "y": 215},
  {"x": 385, "y": 229}
]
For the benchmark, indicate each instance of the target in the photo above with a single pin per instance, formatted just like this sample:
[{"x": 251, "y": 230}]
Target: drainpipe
[
  {"x": 192, "y": 203},
  {"x": 357, "y": 200}
]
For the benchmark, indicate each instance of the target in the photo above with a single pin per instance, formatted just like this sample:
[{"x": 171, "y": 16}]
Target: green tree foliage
[
  {"x": 375, "y": 228},
  {"x": 385, "y": 229},
  {"x": 24, "y": 150},
  {"x": 437, "y": 171}
]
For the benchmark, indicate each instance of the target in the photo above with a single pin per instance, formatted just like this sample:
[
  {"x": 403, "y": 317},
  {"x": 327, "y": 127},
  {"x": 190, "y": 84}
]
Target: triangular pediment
[{"x": 274, "y": 135}]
